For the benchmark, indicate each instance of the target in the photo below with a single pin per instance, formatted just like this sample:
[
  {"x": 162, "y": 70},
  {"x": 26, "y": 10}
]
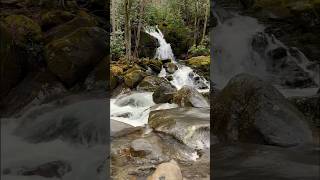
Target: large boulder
[
  {"x": 188, "y": 96},
  {"x": 251, "y": 110},
  {"x": 71, "y": 58},
  {"x": 54, "y": 18},
  {"x": 188, "y": 125},
  {"x": 133, "y": 78},
  {"x": 164, "y": 94},
  {"x": 147, "y": 46},
  {"x": 151, "y": 83},
  {"x": 201, "y": 65},
  {"x": 81, "y": 20},
  {"x": 23, "y": 29},
  {"x": 168, "y": 170}
]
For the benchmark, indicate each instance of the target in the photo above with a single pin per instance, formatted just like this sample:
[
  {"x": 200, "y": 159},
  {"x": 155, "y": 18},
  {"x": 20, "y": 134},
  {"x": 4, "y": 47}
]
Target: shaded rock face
[
  {"x": 250, "y": 110},
  {"x": 151, "y": 83},
  {"x": 189, "y": 97},
  {"x": 189, "y": 125},
  {"x": 11, "y": 61},
  {"x": 72, "y": 57},
  {"x": 82, "y": 20},
  {"x": 148, "y": 45},
  {"x": 54, "y": 18},
  {"x": 54, "y": 169}
]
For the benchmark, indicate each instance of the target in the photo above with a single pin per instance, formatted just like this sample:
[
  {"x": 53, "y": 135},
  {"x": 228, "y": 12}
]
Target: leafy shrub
[
  {"x": 117, "y": 45},
  {"x": 200, "y": 50}
]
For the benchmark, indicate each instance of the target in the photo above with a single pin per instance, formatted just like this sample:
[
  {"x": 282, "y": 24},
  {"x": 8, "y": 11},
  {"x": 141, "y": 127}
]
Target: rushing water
[
  {"x": 134, "y": 108},
  {"x": 234, "y": 52}
]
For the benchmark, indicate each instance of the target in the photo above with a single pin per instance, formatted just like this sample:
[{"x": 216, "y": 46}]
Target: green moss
[
  {"x": 199, "y": 61},
  {"x": 23, "y": 29}
]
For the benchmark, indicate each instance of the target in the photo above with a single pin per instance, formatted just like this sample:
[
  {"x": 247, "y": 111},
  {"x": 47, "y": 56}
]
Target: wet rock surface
[
  {"x": 189, "y": 97},
  {"x": 268, "y": 118}
]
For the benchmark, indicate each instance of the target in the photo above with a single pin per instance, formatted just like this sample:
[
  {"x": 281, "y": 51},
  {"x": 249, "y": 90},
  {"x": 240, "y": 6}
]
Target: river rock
[
  {"x": 188, "y": 96},
  {"x": 201, "y": 65},
  {"x": 151, "y": 83},
  {"x": 278, "y": 53},
  {"x": 189, "y": 125},
  {"x": 133, "y": 78},
  {"x": 141, "y": 147},
  {"x": 148, "y": 45},
  {"x": 171, "y": 68},
  {"x": 169, "y": 171},
  {"x": 251, "y": 110},
  {"x": 71, "y": 58},
  {"x": 164, "y": 94}
]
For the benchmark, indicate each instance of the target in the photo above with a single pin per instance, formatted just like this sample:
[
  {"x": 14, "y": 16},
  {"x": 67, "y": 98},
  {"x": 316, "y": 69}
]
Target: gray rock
[
  {"x": 189, "y": 125},
  {"x": 189, "y": 97},
  {"x": 164, "y": 94},
  {"x": 141, "y": 146},
  {"x": 251, "y": 110}
]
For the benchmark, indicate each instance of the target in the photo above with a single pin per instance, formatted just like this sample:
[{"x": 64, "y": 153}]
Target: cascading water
[
  {"x": 134, "y": 108},
  {"x": 241, "y": 46}
]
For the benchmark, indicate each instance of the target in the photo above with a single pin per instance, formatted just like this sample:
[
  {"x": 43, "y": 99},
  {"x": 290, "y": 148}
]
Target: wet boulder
[
  {"x": 251, "y": 110},
  {"x": 278, "y": 53},
  {"x": 188, "y": 125},
  {"x": 71, "y": 58},
  {"x": 188, "y": 96},
  {"x": 171, "y": 67},
  {"x": 147, "y": 46},
  {"x": 151, "y": 83},
  {"x": 164, "y": 94},
  {"x": 97, "y": 79},
  {"x": 259, "y": 42}
]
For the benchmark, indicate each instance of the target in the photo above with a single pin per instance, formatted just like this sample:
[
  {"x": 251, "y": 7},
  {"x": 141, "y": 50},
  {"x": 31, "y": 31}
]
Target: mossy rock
[
  {"x": 154, "y": 64},
  {"x": 54, "y": 18},
  {"x": 116, "y": 70},
  {"x": 151, "y": 83},
  {"x": 133, "y": 78},
  {"x": 82, "y": 20},
  {"x": 11, "y": 58},
  {"x": 72, "y": 57},
  {"x": 23, "y": 29},
  {"x": 201, "y": 65}
]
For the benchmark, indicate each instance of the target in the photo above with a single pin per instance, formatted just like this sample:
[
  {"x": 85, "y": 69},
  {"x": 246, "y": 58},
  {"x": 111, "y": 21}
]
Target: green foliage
[
  {"x": 200, "y": 50},
  {"x": 117, "y": 45}
]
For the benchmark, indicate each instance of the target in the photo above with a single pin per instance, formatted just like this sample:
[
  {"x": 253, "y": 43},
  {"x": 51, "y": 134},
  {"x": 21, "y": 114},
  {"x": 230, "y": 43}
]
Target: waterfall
[
  {"x": 240, "y": 45},
  {"x": 164, "y": 51}
]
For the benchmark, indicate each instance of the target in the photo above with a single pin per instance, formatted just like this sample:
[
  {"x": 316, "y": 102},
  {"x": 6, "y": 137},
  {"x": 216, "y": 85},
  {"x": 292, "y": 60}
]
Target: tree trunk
[
  {"x": 113, "y": 15},
  {"x": 127, "y": 29},
  {"x": 141, "y": 14},
  {"x": 195, "y": 24},
  {"x": 205, "y": 22}
]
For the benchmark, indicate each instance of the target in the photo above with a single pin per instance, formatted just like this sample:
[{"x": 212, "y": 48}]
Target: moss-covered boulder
[
  {"x": 11, "y": 68},
  {"x": 164, "y": 94},
  {"x": 151, "y": 83},
  {"x": 50, "y": 19},
  {"x": 98, "y": 78},
  {"x": 133, "y": 78},
  {"x": 201, "y": 65},
  {"x": 72, "y": 57},
  {"x": 171, "y": 67},
  {"x": 154, "y": 64},
  {"x": 23, "y": 29},
  {"x": 188, "y": 96},
  {"x": 81, "y": 20}
]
